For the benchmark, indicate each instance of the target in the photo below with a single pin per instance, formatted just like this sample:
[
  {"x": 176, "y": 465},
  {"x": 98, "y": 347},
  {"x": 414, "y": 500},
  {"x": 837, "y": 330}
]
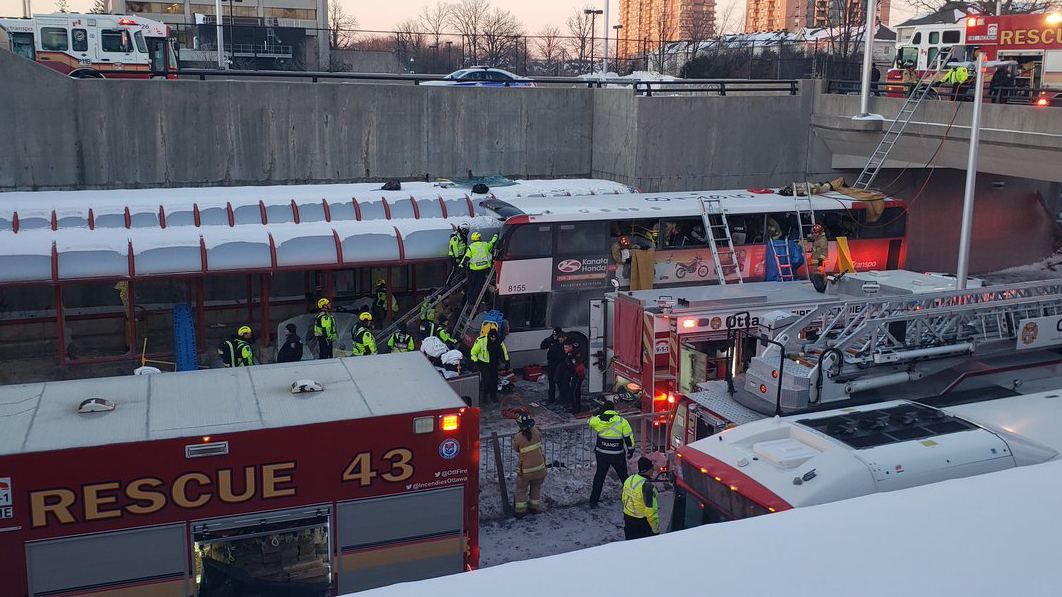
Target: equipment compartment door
[
  {"x": 400, "y": 538},
  {"x": 152, "y": 562}
]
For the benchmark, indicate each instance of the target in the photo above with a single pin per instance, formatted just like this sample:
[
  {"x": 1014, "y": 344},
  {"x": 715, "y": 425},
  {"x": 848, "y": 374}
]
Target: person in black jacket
[
  {"x": 291, "y": 350},
  {"x": 572, "y": 372},
  {"x": 554, "y": 347}
]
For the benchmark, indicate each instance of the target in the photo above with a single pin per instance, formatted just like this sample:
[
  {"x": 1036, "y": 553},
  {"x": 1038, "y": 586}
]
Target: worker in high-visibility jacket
[
  {"x": 530, "y": 467},
  {"x": 364, "y": 342},
  {"x": 401, "y": 341},
  {"x": 437, "y": 328},
  {"x": 614, "y": 445},
  {"x": 488, "y": 355},
  {"x": 236, "y": 351},
  {"x": 641, "y": 508},
  {"x": 478, "y": 257},
  {"x": 457, "y": 247},
  {"x": 379, "y": 306},
  {"x": 324, "y": 329}
]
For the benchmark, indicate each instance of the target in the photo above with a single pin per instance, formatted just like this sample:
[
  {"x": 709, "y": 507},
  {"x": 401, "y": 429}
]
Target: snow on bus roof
[
  {"x": 43, "y": 416},
  {"x": 982, "y": 536},
  {"x": 656, "y": 205}
]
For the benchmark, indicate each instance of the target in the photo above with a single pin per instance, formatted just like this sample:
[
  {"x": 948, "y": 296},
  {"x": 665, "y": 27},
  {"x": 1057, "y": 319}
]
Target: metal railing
[{"x": 644, "y": 88}]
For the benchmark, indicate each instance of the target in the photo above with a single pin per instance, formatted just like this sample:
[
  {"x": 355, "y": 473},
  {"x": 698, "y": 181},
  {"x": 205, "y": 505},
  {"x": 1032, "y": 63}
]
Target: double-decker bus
[
  {"x": 94, "y": 45},
  {"x": 555, "y": 254}
]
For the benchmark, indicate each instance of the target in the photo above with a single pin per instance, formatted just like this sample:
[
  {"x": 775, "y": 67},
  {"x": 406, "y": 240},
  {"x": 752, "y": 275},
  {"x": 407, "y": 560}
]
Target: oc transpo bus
[{"x": 554, "y": 254}]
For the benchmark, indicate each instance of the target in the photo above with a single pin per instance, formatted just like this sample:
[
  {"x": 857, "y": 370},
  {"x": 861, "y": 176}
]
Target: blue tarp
[{"x": 788, "y": 251}]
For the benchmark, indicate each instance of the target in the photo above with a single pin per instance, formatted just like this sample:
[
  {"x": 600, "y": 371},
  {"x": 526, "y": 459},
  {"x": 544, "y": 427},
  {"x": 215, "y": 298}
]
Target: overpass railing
[
  {"x": 643, "y": 88},
  {"x": 1025, "y": 96}
]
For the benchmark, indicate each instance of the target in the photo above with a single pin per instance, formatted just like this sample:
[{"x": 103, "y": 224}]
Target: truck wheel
[{"x": 86, "y": 74}]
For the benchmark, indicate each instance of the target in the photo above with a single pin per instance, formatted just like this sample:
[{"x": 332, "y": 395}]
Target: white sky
[{"x": 373, "y": 14}]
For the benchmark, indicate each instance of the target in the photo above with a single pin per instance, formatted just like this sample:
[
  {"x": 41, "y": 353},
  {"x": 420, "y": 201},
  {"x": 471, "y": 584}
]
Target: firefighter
[
  {"x": 401, "y": 341},
  {"x": 478, "y": 257},
  {"x": 236, "y": 351},
  {"x": 489, "y": 354},
  {"x": 437, "y": 328},
  {"x": 291, "y": 350},
  {"x": 364, "y": 342},
  {"x": 324, "y": 329},
  {"x": 531, "y": 467},
  {"x": 641, "y": 510},
  {"x": 458, "y": 246},
  {"x": 614, "y": 437},
  {"x": 820, "y": 248},
  {"x": 379, "y": 306},
  {"x": 572, "y": 371},
  {"x": 554, "y": 347}
]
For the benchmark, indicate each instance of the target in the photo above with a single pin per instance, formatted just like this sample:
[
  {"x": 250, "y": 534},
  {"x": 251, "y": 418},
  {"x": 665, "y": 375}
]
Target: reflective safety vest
[
  {"x": 381, "y": 301},
  {"x": 614, "y": 434},
  {"x": 434, "y": 329},
  {"x": 956, "y": 76},
  {"x": 479, "y": 254},
  {"x": 236, "y": 352},
  {"x": 324, "y": 326},
  {"x": 640, "y": 501},
  {"x": 401, "y": 342},
  {"x": 427, "y": 311},
  {"x": 481, "y": 352},
  {"x": 458, "y": 246},
  {"x": 364, "y": 342}
]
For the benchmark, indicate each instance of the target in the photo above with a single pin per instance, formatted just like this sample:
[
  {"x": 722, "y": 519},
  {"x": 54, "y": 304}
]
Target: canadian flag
[{"x": 5, "y": 491}]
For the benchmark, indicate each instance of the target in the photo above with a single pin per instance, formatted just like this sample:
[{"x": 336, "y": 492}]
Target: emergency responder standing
[
  {"x": 380, "y": 307},
  {"x": 401, "y": 341},
  {"x": 531, "y": 467},
  {"x": 437, "y": 328},
  {"x": 641, "y": 510},
  {"x": 291, "y": 350},
  {"x": 478, "y": 257},
  {"x": 456, "y": 251},
  {"x": 554, "y": 347},
  {"x": 324, "y": 329},
  {"x": 364, "y": 342},
  {"x": 236, "y": 351},
  {"x": 820, "y": 249},
  {"x": 572, "y": 372},
  {"x": 614, "y": 445},
  {"x": 489, "y": 354}
]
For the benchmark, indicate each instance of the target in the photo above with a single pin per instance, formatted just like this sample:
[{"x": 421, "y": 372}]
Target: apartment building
[{"x": 648, "y": 23}]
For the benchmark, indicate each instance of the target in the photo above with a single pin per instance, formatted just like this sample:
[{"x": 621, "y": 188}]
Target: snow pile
[
  {"x": 986, "y": 536},
  {"x": 1045, "y": 269}
]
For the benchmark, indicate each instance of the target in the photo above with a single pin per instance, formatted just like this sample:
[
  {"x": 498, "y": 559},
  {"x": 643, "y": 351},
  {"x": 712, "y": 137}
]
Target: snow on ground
[
  {"x": 555, "y": 531},
  {"x": 1047, "y": 268},
  {"x": 988, "y": 535}
]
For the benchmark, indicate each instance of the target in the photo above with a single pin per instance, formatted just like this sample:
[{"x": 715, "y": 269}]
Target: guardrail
[
  {"x": 644, "y": 88},
  {"x": 1025, "y": 96}
]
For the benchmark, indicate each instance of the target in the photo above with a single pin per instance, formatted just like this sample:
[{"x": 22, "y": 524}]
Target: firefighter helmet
[
  {"x": 524, "y": 421},
  {"x": 475, "y": 236},
  {"x": 244, "y": 331},
  {"x": 365, "y": 316},
  {"x": 322, "y": 303},
  {"x": 463, "y": 227},
  {"x": 817, "y": 228}
]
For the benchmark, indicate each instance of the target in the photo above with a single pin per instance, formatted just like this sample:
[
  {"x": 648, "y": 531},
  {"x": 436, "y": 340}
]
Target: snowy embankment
[{"x": 988, "y": 535}]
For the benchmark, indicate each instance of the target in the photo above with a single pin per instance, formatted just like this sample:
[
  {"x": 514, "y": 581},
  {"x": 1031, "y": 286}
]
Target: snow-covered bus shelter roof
[
  {"x": 55, "y": 236},
  {"x": 39, "y": 417},
  {"x": 982, "y": 536}
]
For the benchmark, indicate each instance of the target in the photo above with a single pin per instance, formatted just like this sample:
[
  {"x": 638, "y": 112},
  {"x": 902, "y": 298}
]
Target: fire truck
[
  {"x": 94, "y": 45},
  {"x": 314, "y": 478},
  {"x": 1031, "y": 44}
]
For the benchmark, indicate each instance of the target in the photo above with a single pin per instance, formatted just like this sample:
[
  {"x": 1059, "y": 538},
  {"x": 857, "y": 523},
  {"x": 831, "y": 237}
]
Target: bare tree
[
  {"x": 99, "y": 7},
  {"x": 468, "y": 17},
  {"x": 62, "y": 5},
  {"x": 433, "y": 20},
  {"x": 663, "y": 29},
  {"x": 501, "y": 37},
  {"x": 847, "y": 23},
  {"x": 728, "y": 21},
  {"x": 548, "y": 46},
  {"x": 985, "y": 7},
  {"x": 580, "y": 35},
  {"x": 409, "y": 43},
  {"x": 340, "y": 26}
]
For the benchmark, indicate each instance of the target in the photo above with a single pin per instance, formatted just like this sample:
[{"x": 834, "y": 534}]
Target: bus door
[{"x": 598, "y": 351}]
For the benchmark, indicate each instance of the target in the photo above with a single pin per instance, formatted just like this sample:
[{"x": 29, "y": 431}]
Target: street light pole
[
  {"x": 615, "y": 63},
  {"x": 870, "y": 28},
  {"x": 220, "y": 33},
  {"x": 963, "y": 269},
  {"x": 604, "y": 34},
  {"x": 593, "y": 12}
]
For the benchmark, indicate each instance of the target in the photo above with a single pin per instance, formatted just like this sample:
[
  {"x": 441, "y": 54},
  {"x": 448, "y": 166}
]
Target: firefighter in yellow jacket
[
  {"x": 641, "y": 508},
  {"x": 531, "y": 466}
]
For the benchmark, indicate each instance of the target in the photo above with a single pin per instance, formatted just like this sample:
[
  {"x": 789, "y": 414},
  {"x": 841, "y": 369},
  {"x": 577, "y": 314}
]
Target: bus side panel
[{"x": 627, "y": 329}]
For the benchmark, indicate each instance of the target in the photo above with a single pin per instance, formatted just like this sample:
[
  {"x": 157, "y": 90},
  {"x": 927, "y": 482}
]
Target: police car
[{"x": 482, "y": 76}]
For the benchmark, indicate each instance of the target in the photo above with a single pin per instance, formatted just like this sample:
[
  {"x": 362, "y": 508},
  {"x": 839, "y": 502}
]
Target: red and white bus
[
  {"x": 804, "y": 460},
  {"x": 95, "y": 45},
  {"x": 228, "y": 482},
  {"x": 554, "y": 254}
]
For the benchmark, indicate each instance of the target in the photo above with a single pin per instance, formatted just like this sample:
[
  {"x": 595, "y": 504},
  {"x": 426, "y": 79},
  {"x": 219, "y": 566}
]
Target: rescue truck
[
  {"x": 315, "y": 478},
  {"x": 1030, "y": 43},
  {"x": 94, "y": 45},
  {"x": 809, "y": 459}
]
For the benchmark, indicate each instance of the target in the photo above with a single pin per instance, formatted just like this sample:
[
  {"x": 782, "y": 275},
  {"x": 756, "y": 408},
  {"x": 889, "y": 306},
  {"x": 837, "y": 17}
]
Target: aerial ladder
[{"x": 842, "y": 349}]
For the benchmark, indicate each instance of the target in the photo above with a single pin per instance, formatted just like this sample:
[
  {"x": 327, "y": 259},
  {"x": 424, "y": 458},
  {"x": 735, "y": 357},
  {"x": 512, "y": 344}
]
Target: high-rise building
[
  {"x": 257, "y": 33},
  {"x": 794, "y": 15},
  {"x": 648, "y": 23}
]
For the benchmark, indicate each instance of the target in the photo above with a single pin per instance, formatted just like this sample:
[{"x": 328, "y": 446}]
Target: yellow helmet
[
  {"x": 322, "y": 303},
  {"x": 366, "y": 316},
  {"x": 245, "y": 330},
  {"x": 381, "y": 282},
  {"x": 475, "y": 236}
]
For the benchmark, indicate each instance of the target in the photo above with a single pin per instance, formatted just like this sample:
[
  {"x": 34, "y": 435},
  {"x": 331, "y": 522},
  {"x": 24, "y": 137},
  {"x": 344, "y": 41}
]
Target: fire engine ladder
[
  {"x": 431, "y": 301},
  {"x": 805, "y": 213},
  {"x": 471, "y": 308},
  {"x": 918, "y": 95},
  {"x": 717, "y": 229},
  {"x": 894, "y": 329}
]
